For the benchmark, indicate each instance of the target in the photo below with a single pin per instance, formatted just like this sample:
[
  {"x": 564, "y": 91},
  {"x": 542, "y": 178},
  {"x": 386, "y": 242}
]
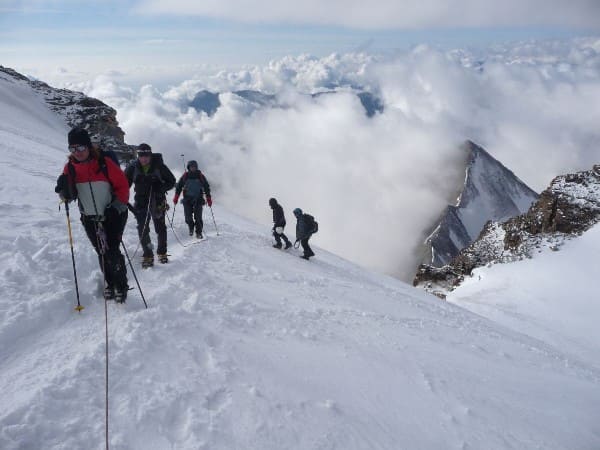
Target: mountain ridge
[
  {"x": 490, "y": 191},
  {"x": 567, "y": 208},
  {"x": 209, "y": 102}
]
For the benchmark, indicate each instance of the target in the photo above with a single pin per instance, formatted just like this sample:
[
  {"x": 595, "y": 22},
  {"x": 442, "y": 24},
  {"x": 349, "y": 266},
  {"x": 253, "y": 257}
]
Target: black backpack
[
  {"x": 110, "y": 154},
  {"x": 313, "y": 225}
]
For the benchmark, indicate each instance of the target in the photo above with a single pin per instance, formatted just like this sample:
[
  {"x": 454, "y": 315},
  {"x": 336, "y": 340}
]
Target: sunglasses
[{"x": 77, "y": 148}]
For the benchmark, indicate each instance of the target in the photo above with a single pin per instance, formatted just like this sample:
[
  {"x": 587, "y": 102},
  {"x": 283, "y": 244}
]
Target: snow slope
[
  {"x": 247, "y": 347},
  {"x": 553, "y": 296}
]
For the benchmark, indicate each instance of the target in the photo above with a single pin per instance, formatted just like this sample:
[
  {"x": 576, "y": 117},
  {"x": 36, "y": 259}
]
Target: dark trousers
[
  {"x": 106, "y": 236},
  {"x": 279, "y": 237},
  {"x": 192, "y": 210},
  {"x": 157, "y": 212},
  {"x": 307, "y": 250}
]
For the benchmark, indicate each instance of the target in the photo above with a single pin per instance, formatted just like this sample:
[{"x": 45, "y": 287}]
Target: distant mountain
[
  {"x": 209, "y": 102},
  {"x": 371, "y": 103},
  {"x": 490, "y": 192},
  {"x": 206, "y": 101},
  {"x": 257, "y": 97},
  {"x": 568, "y": 207},
  {"x": 78, "y": 109}
]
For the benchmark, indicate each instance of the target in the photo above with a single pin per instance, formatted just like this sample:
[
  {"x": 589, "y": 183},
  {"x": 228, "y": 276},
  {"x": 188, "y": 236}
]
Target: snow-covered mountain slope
[
  {"x": 244, "y": 346},
  {"x": 490, "y": 192},
  {"x": 552, "y": 296}
]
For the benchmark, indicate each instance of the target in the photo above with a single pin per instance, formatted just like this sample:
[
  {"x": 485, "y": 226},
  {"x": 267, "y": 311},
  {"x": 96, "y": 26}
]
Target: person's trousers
[
  {"x": 106, "y": 237},
  {"x": 143, "y": 215},
  {"x": 192, "y": 210},
  {"x": 307, "y": 250},
  {"x": 279, "y": 237}
]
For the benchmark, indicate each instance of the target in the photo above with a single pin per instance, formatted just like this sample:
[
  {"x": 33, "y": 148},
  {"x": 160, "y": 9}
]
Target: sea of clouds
[{"x": 378, "y": 184}]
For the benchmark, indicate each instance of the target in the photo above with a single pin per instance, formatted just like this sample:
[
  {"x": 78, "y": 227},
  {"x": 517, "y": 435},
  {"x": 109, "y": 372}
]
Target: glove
[
  {"x": 118, "y": 206},
  {"x": 208, "y": 201},
  {"x": 176, "y": 199},
  {"x": 64, "y": 190}
]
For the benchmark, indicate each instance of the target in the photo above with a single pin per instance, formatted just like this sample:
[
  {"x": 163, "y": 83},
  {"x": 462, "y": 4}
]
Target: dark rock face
[
  {"x": 449, "y": 238},
  {"x": 490, "y": 191},
  {"x": 99, "y": 119},
  {"x": 567, "y": 208}
]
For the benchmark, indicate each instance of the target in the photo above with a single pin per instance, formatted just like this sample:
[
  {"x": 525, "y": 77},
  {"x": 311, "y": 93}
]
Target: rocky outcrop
[
  {"x": 78, "y": 109},
  {"x": 567, "y": 208}
]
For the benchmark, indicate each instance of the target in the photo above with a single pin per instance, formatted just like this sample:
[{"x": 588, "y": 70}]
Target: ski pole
[
  {"x": 183, "y": 161},
  {"x": 134, "y": 275},
  {"x": 78, "y": 308},
  {"x": 173, "y": 216},
  {"x": 213, "y": 218}
]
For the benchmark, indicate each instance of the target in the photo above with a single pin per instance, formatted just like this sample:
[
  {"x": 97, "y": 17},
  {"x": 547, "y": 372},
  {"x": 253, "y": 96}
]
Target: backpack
[
  {"x": 313, "y": 225},
  {"x": 101, "y": 160},
  {"x": 111, "y": 154},
  {"x": 193, "y": 187}
]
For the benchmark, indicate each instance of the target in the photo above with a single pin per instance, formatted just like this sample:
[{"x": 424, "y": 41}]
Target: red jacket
[{"x": 89, "y": 173}]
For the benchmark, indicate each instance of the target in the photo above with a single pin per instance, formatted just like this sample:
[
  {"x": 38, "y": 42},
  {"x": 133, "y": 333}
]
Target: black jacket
[
  {"x": 278, "y": 216},
  {"x": 158, "y": 178}
]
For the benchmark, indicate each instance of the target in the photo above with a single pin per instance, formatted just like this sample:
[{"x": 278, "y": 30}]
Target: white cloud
[
  {"x": 375, "y": 184},
  {"x": 392, "y": 13}
]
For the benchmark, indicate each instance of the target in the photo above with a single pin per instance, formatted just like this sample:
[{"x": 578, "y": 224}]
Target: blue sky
[{"x": 38, "y": 36}]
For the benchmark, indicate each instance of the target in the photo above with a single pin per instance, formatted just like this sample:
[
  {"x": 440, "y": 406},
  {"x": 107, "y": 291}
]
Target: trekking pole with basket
[
  {"x": 214, "y": 221},
  {"x": 78, "y": 308}
]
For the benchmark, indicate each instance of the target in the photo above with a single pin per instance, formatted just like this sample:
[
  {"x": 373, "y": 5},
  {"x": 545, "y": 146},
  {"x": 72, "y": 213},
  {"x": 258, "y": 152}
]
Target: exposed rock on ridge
[{"x": 78, "y": 109}]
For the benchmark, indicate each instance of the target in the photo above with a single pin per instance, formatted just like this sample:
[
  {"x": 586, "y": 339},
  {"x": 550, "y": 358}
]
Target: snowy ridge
[
  {"x": 245, "y": 346},
  {"x": 489, "y": 192}
]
